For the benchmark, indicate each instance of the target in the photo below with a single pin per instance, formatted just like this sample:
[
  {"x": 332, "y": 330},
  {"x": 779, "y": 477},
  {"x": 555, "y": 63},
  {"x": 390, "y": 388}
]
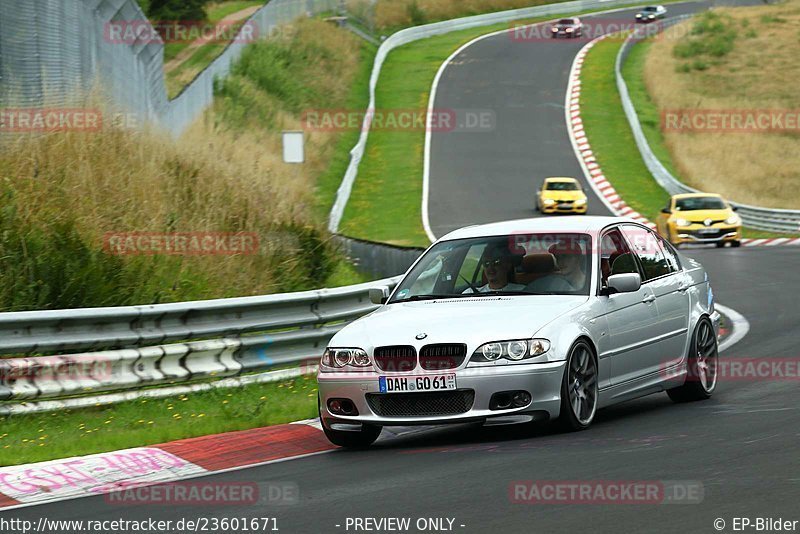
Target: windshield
[
  {"x": 651, "y": 9},
  {"x": 699, "y": 203},
  {"x": 562, "y": 186},
  {"x": 566, "y": 21},
  {"x": 519, "y": 264}
]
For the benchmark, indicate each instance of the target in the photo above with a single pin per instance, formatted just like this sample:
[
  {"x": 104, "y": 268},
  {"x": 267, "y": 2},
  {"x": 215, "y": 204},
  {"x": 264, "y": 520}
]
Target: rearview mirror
[
  {"x": 379, "y": 295},
  {"x": 625, "y": 282}
]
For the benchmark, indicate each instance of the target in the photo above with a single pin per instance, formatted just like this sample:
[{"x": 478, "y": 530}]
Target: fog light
[
  {"x": 504, "y": 400},
  {"x": 520, "y": 399},
  {"x": 342, "y": 407}
]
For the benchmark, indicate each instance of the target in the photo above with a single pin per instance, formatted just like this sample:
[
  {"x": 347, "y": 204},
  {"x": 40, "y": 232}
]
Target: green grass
[
  {"x": 604, "y": 120},
  {"x": 224, "y": 9},
  {"x": 358, "y": 99},
  {"x": 50, "y": 435},
  {"x": 205, "y": 54}
]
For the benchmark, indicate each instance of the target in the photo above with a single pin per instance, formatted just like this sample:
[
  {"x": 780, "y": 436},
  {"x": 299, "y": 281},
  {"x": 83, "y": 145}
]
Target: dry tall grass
[
  {"x": 224, "y": 175},
  {"x": 761, "y": 72},
  {"x": 392, "y": 14}
]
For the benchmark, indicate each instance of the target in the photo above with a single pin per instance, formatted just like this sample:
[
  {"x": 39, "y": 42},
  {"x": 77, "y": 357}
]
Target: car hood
[
  {"x": 701, "y": 215},
  {"x": 564, "y": 195},
  {"x": 470, "y": 320}
]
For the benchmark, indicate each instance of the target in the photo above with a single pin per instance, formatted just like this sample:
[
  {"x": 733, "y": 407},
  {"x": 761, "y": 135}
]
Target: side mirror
[
  {"x": 734, "y": 208},
  {"x": 666, "y": 210},
  {"x": 379, "y": 295},
  {"x": 624, "y": 282}
]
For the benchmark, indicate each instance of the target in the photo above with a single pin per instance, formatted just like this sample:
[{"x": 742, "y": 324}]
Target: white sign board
[{"x": 293, "y": 147}]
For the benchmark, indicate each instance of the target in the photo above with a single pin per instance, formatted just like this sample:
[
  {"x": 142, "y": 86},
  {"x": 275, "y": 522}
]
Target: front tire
[
  {"x": 701, "y": 366},
  {"x": 579, "y": 389},
  {"x": 736, "y": 244}
]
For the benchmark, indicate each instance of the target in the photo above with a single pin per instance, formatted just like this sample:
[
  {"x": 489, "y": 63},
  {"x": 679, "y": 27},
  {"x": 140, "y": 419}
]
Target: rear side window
[
  {"x": 646, "y": 246},
  {"x": 670, "y": 256}
]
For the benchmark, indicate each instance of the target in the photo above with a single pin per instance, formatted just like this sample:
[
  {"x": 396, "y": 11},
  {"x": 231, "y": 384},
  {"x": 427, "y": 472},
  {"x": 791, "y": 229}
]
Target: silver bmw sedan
[{"x": 524, "y": 321}]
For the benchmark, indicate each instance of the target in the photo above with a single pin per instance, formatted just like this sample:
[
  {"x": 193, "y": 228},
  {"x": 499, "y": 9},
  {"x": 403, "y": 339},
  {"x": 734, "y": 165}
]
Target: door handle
[
  {"x": 649, "y": 298},
  {"x": 683, "y": 287}
]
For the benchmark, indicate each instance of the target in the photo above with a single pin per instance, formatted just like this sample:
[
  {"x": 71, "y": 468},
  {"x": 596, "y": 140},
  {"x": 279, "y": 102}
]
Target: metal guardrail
[
  {"x": 775, "y": 220},
  {"x": 416, "y": 33},
  {"x": 157, "y": 350}
]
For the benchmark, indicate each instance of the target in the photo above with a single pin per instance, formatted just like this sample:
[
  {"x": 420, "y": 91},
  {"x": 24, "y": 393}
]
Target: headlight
[
  {"x": 638, "y": 15},
  {"x": 682, "y": 222},
  {"x": 733, "y": 219},
  {"x": 580, "y": 202},
  {"x": 513, "y": 350},
  {"x": 651, "y": 16},
  {"x": 549, "y": 201},
  {"x": 554, "y": 29},
  {"x": 341, "y": 358},
  {"x": 569, "y": 29}
]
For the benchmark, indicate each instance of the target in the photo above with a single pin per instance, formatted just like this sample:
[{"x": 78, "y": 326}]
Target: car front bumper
[
  {"x": 542, "y": 381},
  {"x": 572, "y": 209},
  {"x": 698, "y": 233}
]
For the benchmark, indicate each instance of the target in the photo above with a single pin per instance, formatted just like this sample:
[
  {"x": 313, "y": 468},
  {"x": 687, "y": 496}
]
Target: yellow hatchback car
[
  {"x": 700, "y": 218},
  {"x": 561, "y": 195}
]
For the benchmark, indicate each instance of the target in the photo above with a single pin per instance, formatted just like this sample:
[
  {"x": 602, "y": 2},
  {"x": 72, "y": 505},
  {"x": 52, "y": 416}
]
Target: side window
[
  {"x": 468, "y": 274},
  {"x": 670, "y": 256},
  {"x": 615, "y": 256},
  {"x": 645, "y": 244}
]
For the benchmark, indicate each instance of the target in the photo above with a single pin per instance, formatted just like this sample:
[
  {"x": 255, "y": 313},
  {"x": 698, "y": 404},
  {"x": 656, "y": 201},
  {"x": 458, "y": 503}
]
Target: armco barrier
[
  {"x": 108, "y": 355},
  {"x": 776, "y": 220},
  {"x": 416, "y": 33}
]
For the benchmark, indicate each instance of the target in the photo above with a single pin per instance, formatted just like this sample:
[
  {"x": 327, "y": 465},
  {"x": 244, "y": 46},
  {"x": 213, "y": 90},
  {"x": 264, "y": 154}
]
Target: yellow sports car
[
  {"x": 699, "y": 218},
  {"x": 561, "y": 195}
]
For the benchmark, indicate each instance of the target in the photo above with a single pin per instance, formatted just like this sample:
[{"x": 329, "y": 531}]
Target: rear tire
[
  {"x": 701, "y": 366},
  {"x": 720, "y": 244},
  {"x": 736, "y": 244},
  {"x": 579, "y": 389}
]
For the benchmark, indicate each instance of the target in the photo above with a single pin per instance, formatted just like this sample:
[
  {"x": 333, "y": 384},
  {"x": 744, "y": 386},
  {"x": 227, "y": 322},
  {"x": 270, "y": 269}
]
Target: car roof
[
  {"x": 560, "y": 179},
  {"x": 695, "y": 195},
  {"x": 590, "y": 224}
]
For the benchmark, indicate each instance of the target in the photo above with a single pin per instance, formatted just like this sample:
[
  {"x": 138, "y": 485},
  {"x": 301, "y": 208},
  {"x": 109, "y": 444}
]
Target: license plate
[
  {"x": 405, "y": 384},
  {"x": 707, "y": 231}
]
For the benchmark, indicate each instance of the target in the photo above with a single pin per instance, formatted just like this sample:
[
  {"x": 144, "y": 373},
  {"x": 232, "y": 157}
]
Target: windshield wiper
[
  {"x": 431, "y": 297},
  {"x": 501, "y": 293}
]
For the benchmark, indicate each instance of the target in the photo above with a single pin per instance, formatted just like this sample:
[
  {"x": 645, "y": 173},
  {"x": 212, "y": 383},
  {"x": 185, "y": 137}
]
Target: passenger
[
  {"x": 570, "y": 275},
  {"x": 498, "y": 267}
]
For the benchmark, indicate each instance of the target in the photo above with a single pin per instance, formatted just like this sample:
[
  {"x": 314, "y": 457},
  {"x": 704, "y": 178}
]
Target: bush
[{"x": 185, "y": 10}]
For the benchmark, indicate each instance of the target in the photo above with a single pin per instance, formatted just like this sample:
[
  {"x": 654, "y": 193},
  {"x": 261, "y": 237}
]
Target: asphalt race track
[
  {"x": 479, "y": 176},
  {"x": 742, "y": 445}
]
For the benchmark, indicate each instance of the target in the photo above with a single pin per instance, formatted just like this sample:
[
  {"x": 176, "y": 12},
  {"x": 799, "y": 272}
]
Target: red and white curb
[
  {"x": 591, "y": 168},
  {"x": 97, "y": 474}
]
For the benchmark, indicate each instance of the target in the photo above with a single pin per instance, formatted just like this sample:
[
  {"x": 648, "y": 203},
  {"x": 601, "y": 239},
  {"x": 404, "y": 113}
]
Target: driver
[
  {"x": 569, "y": 277},
  {"x": 498, "y": 266}
]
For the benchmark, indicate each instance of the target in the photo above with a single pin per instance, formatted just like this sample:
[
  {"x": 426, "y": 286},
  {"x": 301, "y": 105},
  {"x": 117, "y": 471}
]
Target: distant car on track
[
  {"x": 561, "y": 195},
  {"x": 569, "y": 27},
  {"x": 524, "y": 321},
  {"x": 651, "y": 14},
  {"x": 699, "y": 218}
]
